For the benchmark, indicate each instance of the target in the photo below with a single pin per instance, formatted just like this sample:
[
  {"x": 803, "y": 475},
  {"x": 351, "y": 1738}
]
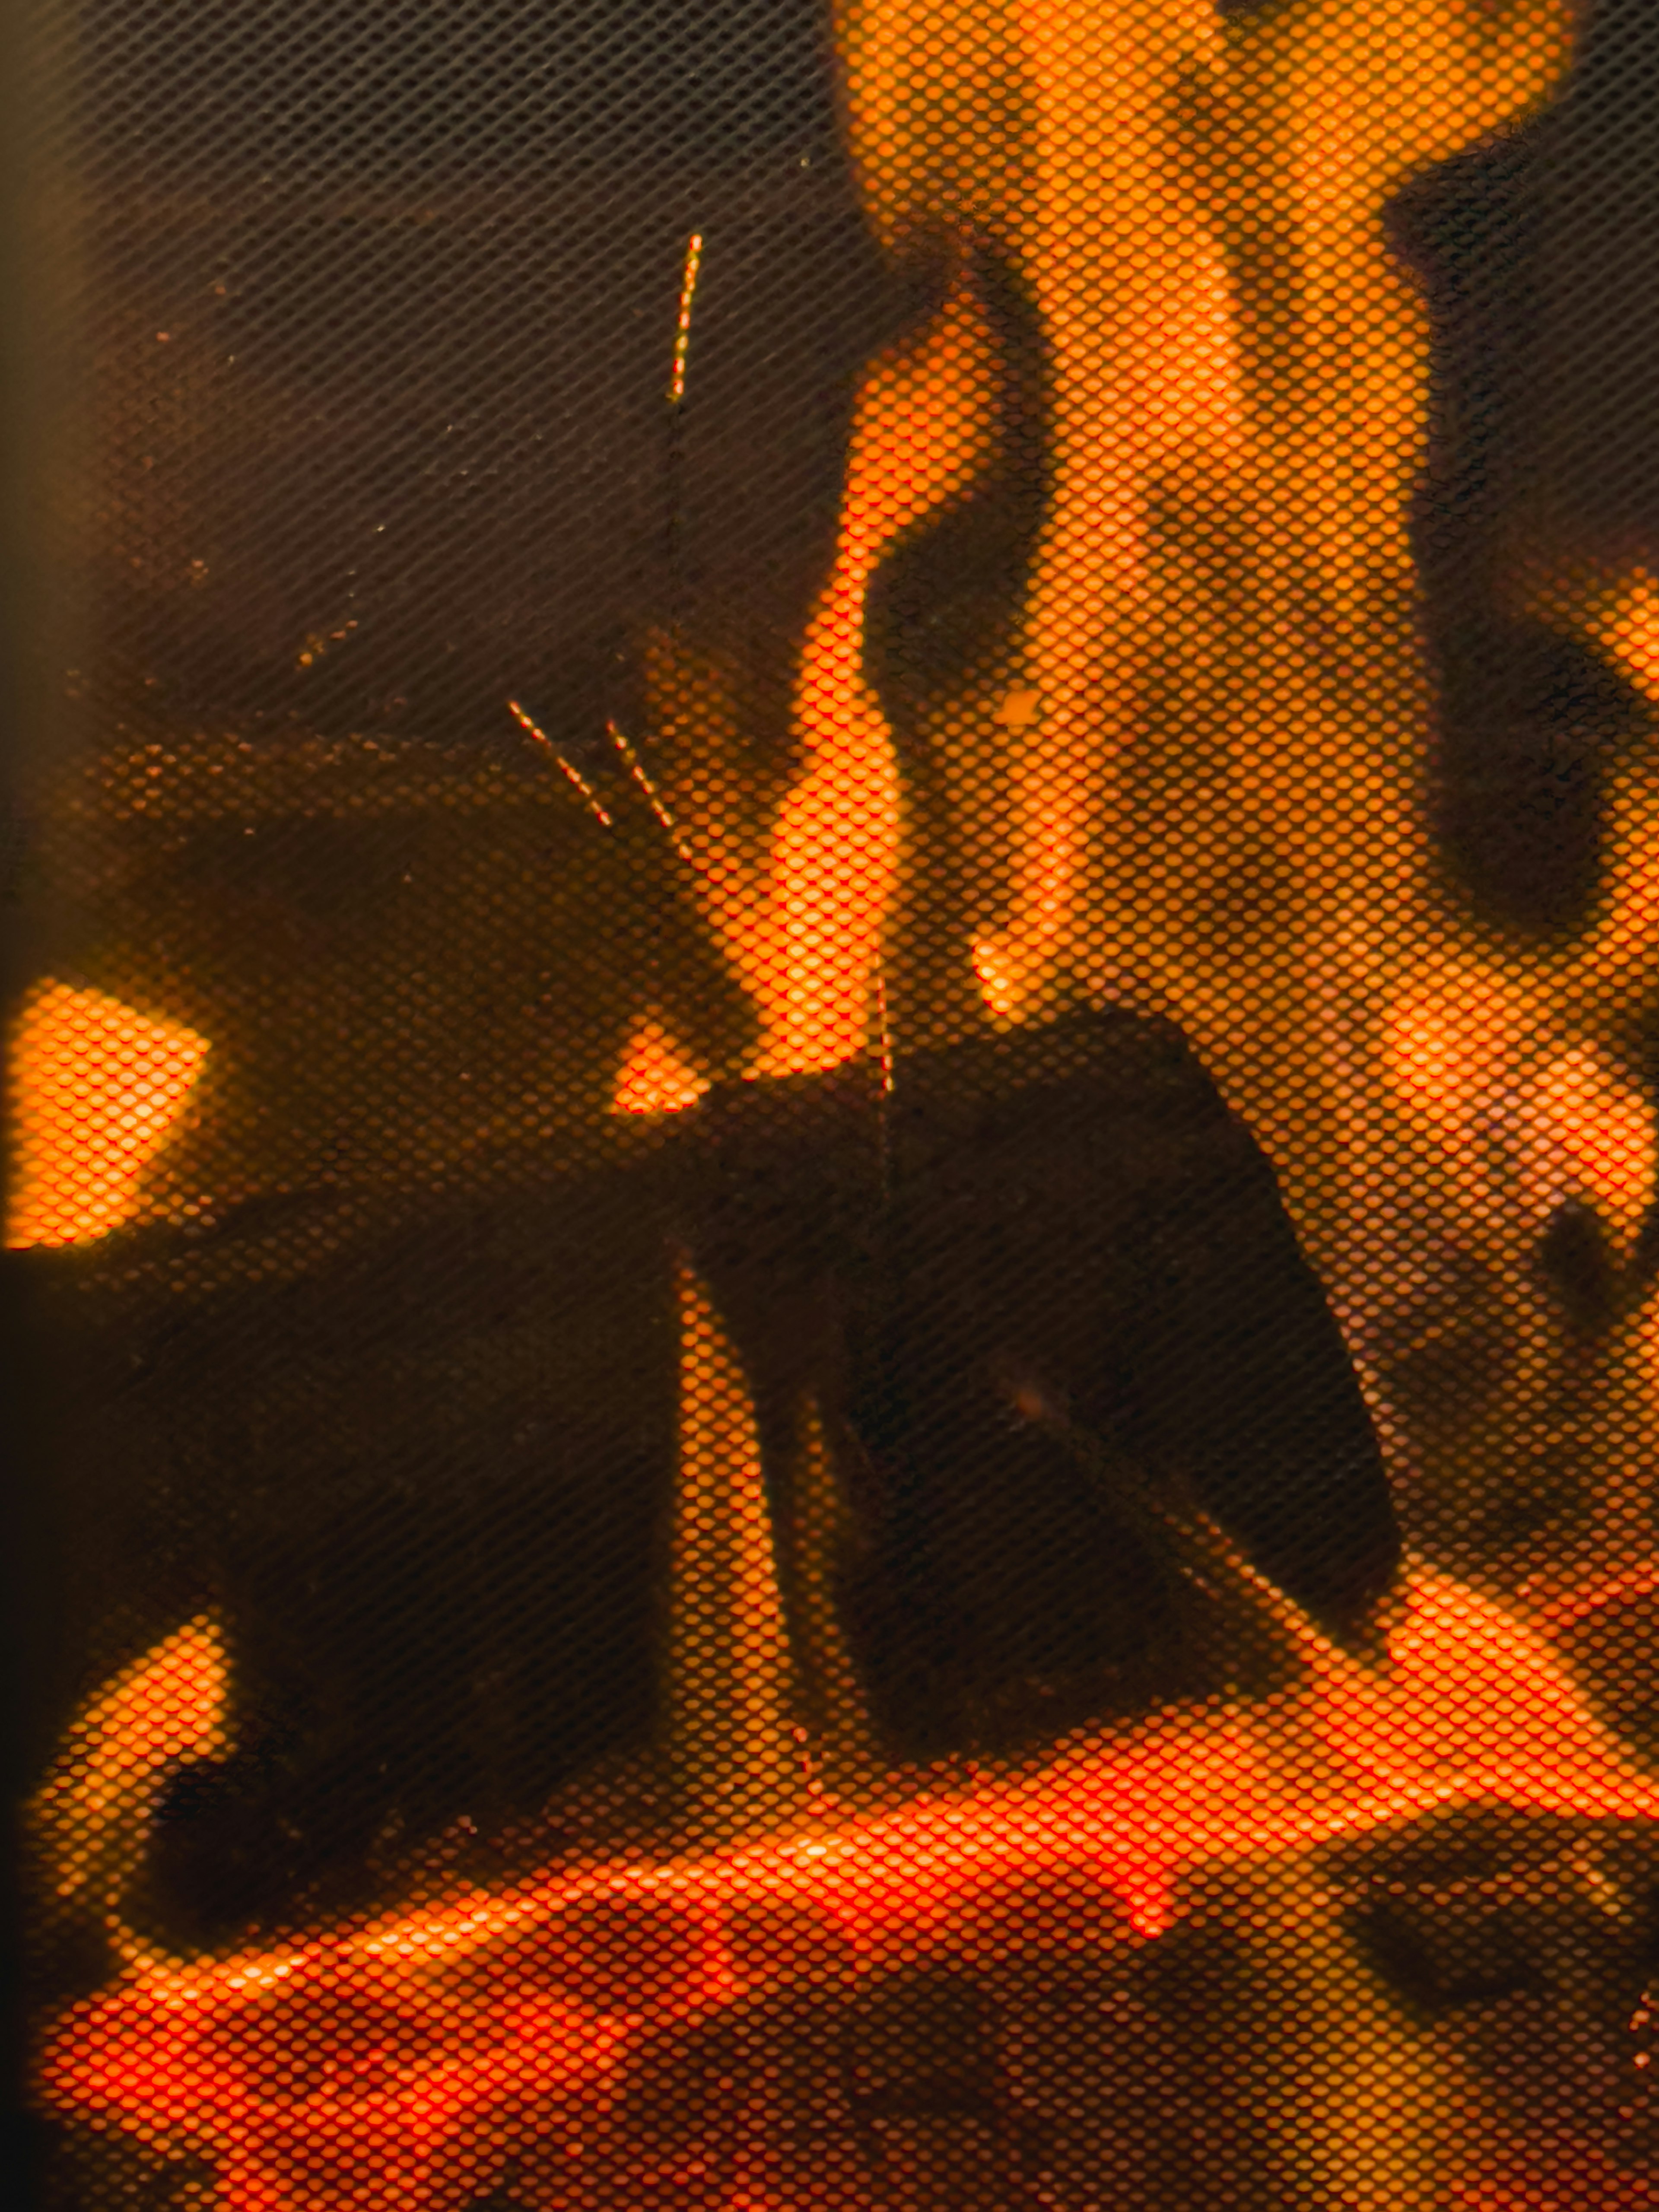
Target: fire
[
  {"x": 406, "y": 2060},
  {"x": 1543, "y": 1120},
  {"x": 403, "y": 2059},
  {"x": 654, "y": 1079},
  {"x": 1632, "y": 632},
  {"x": 920, "y": 429},
  {"x": 1197, "y": 213},
  {"x": 92, "y": 1810},
  {"x": 1594, "y": 1138},
  {"x": 393, "y": 2062},
  {"x": 1618, "y": 610},
  {"x": 731, "y": 1684},
  {"x": 97, "y": 1087},
  {"x": 990, "y": 124}
]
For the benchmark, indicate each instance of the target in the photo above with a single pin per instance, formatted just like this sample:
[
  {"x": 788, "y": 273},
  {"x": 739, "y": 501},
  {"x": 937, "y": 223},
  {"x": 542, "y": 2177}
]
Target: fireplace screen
[{"x": 833, "y": 1105}]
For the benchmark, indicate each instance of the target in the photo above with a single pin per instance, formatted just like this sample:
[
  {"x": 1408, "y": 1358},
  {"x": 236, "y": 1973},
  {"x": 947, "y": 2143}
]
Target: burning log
[
  {"x": 409, "y": 2058},
  {"x": 1090, "y": 1972}
]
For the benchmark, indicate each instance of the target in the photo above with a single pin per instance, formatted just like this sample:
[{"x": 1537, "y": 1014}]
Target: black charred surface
[
  {"x": 1070, "y": 1222},
  {"x": 427, "y": 1486},
  {"x": 426, "y": 1477}
]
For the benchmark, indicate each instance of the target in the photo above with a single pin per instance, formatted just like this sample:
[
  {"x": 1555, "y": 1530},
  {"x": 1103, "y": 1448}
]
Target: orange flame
[
  {"x": 920, "y": 429},
  {"x": 90, "y": 1812},
  {"x": 98, "y": 1087},
  {"x": 655, "y": 1077}
]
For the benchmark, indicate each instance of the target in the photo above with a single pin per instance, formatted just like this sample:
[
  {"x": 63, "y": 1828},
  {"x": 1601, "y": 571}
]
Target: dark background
[
  {"x": 402, "y": 451},
  {"x": 419, "y": 269}
]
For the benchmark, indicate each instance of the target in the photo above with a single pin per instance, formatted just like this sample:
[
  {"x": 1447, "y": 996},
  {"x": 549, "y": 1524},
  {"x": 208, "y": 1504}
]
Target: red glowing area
[
  {"x": 401, "y": 2060},
  {"x": 96, "y": 1089}
]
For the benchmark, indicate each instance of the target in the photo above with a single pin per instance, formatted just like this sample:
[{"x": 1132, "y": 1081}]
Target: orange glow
[
  {"x": 402, "y": 2059},
  {"x": 1196, "y": 212},
  {"x": 90, "y": 1812},
  {"x": 1633, "y": 633},
  {"x": 1525, "y": 1119},
  {"x": 655, "y": 1077},
  {"x": 920, "y": 430},
  {"x": 1620, "y": 612},
  {"x": 1431, "y": 1065},
  {"x": 1136, "y": 303},
  {"x": 732, "y": 1679},
  {"x": 1456, "y": 1046},
  {"x": 1278, "y": 382},
  {"x": 1594, "y": 1138},
  {"x": 1357, "y": 99},
  {"x": 993, "y": 118},
  {"x": 389, "y": 2062},
  {"x": 1077, "y": 138},
  {"x": 998, "y": 978},
  {"x": 98, "y": 1087}
]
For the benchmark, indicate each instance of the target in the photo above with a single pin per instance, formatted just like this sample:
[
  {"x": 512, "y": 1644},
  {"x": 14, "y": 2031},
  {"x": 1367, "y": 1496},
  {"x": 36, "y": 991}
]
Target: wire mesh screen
[{"x": 832, "y": 1124}]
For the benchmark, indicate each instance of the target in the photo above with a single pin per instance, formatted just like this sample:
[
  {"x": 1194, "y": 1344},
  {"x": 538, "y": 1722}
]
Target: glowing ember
[
  {"x": 682, "y": 323},
  {"x": 403, "y": 2059}
]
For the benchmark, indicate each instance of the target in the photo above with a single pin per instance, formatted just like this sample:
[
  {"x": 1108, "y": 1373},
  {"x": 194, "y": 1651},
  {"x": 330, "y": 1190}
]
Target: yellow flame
[
  {"x": 1617, "y": 609},
  {"x": 169, "y": 1704},
  {"x": 920, "y": 429},
  {"x": 1198, "y": 215},
  {"x": 97, "y": 1087},
  {"x": 1633, "y": 633},
  {"x": 1523, "y": 1115}
]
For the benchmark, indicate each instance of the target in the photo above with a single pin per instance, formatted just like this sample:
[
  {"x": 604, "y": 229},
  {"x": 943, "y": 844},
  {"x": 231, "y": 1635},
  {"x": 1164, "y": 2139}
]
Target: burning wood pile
[
  {"x": 793, "y": 1601},
  {"x": 1355, "y": 1904}
]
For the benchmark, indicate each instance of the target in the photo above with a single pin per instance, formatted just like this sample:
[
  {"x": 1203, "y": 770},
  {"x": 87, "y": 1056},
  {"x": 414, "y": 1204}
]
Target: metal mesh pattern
[{"x": 833, "y": 1145}]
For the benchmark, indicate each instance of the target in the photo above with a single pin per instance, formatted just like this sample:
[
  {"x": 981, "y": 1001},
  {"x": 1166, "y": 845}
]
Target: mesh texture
[{"x": 833, "y": 1142}]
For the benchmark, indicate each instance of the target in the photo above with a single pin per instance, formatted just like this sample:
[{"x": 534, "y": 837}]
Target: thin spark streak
[
  {"x": 559, "y": 760},
  {"x": 682, "y": 327},
  {"x": 636, "y": 768},
  {"x": 884, "y": 1031}
]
